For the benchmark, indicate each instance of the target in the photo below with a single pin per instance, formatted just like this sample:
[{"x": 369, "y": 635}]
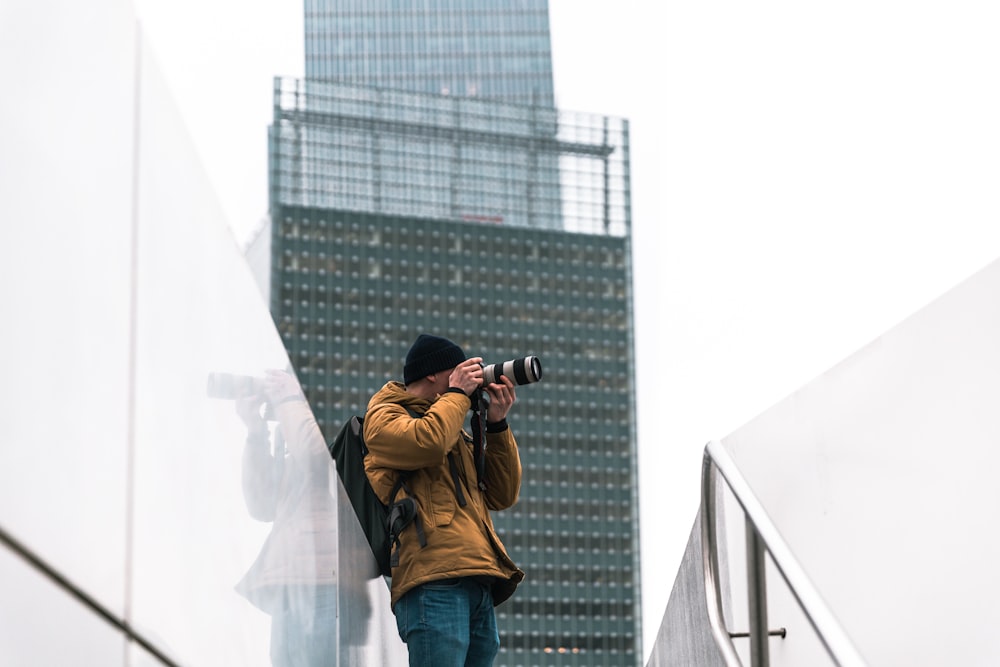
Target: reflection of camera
[
  {"x": 229, "y": 386},
  {"x": 520, "y": 371}
]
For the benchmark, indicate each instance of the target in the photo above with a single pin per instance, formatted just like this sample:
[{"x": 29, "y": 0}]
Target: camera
[
  {"x": 520, "y": 371},
  {"x": 230, "y": 386}
]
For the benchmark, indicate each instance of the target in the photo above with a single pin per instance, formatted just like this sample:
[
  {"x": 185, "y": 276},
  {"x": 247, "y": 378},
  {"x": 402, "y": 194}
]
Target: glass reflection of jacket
[
  {"x": 292, "y": 491},
  {"x": 461, "y": 541}
]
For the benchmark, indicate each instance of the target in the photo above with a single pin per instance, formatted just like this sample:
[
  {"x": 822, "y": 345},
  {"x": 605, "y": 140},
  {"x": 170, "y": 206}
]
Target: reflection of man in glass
[{"x": 292, "y": 578}]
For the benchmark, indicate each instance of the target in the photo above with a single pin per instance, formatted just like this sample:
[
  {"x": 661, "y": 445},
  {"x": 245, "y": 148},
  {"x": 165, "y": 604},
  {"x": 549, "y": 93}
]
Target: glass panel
[
  {"x": 199, "y": 312},
  {"x": 98, "y": 206},
  {"x": 368, "y": 634},
  {"x": 64, "y": 266},
  {"x": 140, "y": 657},
  {"x": 40, "y": 624}
]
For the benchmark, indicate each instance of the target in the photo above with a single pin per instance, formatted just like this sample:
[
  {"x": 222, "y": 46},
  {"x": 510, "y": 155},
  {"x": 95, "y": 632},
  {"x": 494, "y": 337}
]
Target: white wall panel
[
  {"x": 881, "y": 475},
  {"x": 68, "y": 70},
  {"x": 123, "y": 288}
]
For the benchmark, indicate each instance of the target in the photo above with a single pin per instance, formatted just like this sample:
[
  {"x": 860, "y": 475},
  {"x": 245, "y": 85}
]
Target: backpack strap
[
  {"x": 452, "y": 465},
  {"x": 402, "y": 513}
]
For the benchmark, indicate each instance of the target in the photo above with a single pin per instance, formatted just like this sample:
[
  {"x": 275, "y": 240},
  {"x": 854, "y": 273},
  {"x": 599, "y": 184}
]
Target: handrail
[
  {"x": 838, "y": 645},
  {"x": 50, "y": 572}
]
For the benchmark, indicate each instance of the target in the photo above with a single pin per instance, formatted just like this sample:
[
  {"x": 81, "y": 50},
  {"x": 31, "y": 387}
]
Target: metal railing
[
  {"x": 112, "y": 618},
  {"x": 762, "y": 538}
]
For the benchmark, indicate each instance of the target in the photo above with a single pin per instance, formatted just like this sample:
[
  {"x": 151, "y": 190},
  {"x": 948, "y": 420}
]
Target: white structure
[
  {"x": 879, "y": 477},
  {"x": 124, "y": 526}
]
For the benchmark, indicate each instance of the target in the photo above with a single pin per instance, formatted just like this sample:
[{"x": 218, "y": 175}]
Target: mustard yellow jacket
[{"x": 461, "y": 541}]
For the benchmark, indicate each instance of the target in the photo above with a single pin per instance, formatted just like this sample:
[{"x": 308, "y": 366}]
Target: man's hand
[
  {"x": 468, "y": 375},
  {"x": 280, "y": 386},
  {"x": 502, "y": 398}
]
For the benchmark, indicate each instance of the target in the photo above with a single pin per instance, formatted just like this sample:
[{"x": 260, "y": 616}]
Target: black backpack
[{"x": 382, "y": 524}]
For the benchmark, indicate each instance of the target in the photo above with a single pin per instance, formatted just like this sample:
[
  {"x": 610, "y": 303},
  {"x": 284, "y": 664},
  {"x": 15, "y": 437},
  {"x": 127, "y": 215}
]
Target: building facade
[
  {"x": 486, "y": 50},
  {"x": 363, "y": 266},
  {"x": 422, "y": 180},
  {"x": 494, "y": 49}
]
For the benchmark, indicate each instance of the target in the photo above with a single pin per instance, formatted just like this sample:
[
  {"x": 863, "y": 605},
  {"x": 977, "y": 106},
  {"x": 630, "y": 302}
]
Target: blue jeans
[
  {"x": 449, "y": 623},
  {"x": 304, "y": 631}
]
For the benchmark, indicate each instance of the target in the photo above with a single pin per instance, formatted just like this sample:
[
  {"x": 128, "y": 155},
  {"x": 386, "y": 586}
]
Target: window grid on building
[
  {"x": 487, "y": 48},
  {"x": 351, "y": 291},
  {"x": 373, "y": 150},
  {"x": 422, "y": 180}
]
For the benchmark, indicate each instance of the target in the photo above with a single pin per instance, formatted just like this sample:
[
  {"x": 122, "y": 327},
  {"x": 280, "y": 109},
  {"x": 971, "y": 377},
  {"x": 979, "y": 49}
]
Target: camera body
[{"x": 525, "y": 370}]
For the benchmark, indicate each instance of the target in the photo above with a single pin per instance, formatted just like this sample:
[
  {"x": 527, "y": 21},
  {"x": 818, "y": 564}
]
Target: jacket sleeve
[
  {"x": 398, "y": 441},
  {"x": 266, "y": 476},
  {"x": 261, "y": 477},
  {"x": 302, "y": 435},
  {"x": 503, "y": 470}
]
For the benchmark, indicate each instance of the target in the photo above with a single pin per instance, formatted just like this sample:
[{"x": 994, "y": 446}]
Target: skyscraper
[
  {"x": 502, "y": 225},
  {"x": 496, "y": 49},
  {"x": 486, "y": 49}
]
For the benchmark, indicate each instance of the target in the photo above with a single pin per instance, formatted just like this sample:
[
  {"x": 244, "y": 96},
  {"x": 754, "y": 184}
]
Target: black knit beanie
[{"x": 428, "y": 355}]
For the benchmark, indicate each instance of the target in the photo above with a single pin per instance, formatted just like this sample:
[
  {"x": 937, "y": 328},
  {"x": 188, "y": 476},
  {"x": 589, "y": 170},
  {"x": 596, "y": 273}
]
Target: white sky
[{"x": 804, "y": 177}]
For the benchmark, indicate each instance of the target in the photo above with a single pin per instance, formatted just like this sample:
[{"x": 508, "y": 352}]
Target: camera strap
[{"x": 479, "y": 436}]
